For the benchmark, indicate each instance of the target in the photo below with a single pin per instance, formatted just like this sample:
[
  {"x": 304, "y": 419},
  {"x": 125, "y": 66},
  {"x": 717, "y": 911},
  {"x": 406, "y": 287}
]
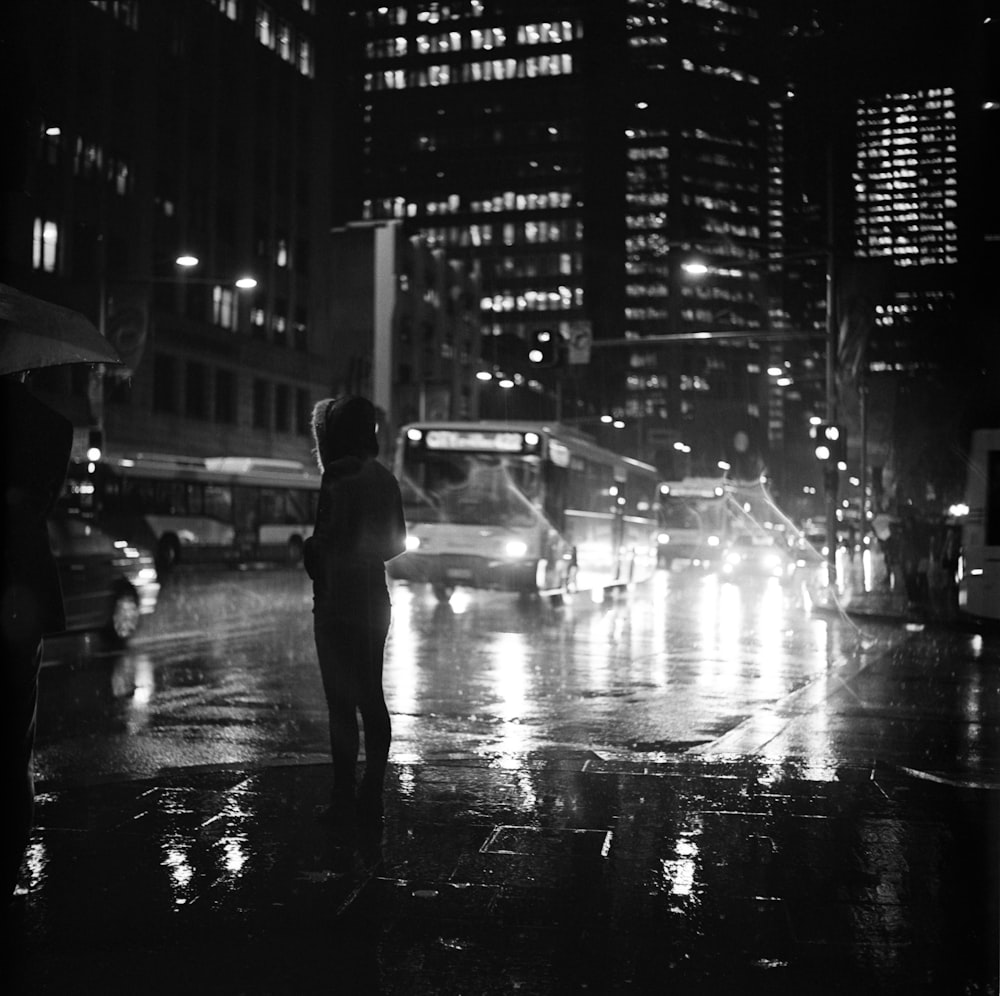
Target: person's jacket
[
  {"x": 359, "y": 526},
  {"x": 37, "y": 444}
]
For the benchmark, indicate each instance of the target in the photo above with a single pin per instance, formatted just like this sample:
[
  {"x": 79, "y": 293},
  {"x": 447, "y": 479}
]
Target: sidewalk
[
  {"x": 882, "y": 602},
  {"x": 569, "y": 873}
]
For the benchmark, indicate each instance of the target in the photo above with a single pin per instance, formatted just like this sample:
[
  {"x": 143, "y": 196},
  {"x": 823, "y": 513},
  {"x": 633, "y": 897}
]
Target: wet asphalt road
[
  {"x": 225, "y": 672},
  {"x": 692, "y": 788}
]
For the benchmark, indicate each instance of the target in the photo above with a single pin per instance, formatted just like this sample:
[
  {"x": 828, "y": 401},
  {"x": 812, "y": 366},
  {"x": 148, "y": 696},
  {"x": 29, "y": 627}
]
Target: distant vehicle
[
  {"x": 107, "y": 584},
  {"x": 979, "y": 585},
  {"x": 222, "y": 510},
  {"x": 811, "y": 549},
  {"x": 531, "y": 507},
  {"x": 694, "y": 521},
  {"x": 752, "y": 556}
]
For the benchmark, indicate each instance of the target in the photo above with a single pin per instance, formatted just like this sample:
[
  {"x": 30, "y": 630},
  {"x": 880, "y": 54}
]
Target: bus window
[
  {"x": 169, "y": 498},
  {"x": 193, "y": 499},
  {"x": 467, "y": 488},
  {"x": 555, "y": 495},
  {"x": 246, "y": 511},
  {"x": 219, "y": 502},
  {"x": 301, "y": 506}
]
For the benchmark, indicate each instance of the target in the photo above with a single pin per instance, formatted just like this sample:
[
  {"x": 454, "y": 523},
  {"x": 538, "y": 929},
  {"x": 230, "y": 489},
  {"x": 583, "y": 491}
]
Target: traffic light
[
  {"x": 543, "y": 348},
  {"x": 831, "y": 443}
]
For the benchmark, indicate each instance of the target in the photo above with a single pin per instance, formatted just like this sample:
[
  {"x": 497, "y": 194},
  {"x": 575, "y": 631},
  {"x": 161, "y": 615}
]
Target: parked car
[
  {"x": 107, "y": 584},
  {"x": 752, "y": 556}
]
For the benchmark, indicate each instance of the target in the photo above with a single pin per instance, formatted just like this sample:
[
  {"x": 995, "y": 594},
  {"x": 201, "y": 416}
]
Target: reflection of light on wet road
[
  {"x": 510, "y": 678},
  {"x": 679, "y": 873},
  {"x": 36, "y": 860},
  {"x": 179, "y": 869},
  {"x": 402, "y": 648},
  {"x": 234, "y": 853},
  {"x": 134, "y": 679}
]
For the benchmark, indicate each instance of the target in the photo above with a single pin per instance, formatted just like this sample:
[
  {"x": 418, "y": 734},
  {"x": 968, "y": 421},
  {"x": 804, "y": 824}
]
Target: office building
[
  {"x": 198, "y": 128},
  {"x": 545, "y": 145}
]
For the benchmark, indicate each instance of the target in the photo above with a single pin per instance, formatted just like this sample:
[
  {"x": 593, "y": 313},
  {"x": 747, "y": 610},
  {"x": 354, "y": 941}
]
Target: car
[
  {"x": 751, "y": 556},
  {"x": 107, "y": 584}
]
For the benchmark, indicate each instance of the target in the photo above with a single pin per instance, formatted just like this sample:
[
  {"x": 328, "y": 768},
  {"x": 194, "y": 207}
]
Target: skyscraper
[{"x": 579, "y": 154}]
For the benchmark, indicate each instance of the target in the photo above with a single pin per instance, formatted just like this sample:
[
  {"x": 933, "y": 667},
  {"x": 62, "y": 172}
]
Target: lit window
[
  {"x": 45, "y": 245},
  {"x": 264, "y": 26},
  {"x": 224, "y": 307}
]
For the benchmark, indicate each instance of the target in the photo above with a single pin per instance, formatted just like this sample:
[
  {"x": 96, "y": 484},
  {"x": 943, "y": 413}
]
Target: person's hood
[{"x": 345, "y": 427}]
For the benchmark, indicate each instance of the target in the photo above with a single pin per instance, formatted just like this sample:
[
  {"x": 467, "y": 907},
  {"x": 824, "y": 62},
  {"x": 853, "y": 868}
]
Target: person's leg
[
  {"x": 336, "y": 648},
  {"x": 374, "y": 714}
]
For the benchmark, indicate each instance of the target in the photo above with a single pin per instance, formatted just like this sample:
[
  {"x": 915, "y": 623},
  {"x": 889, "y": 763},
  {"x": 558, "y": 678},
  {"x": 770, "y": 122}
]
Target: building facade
[
  {"x": 578, "y": 155},
  {"x": 407, "y": 321},
  {"x": 193, "y": 128}
]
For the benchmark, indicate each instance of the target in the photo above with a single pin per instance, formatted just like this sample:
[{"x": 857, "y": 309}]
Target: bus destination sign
[{"x": 475, "y": 439}]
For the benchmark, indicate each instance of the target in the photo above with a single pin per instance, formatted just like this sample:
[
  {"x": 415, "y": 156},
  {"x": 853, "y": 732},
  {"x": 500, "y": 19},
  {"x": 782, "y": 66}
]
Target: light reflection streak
[
  {"x": 401, "y": 652},
  {"x": 35, "y": 860},
  {"x": 234, "y": 853},
  {"x": 679, "y": 874},
  {"x": 179, "y": 869},
  {"x": 511, "y": 677}
]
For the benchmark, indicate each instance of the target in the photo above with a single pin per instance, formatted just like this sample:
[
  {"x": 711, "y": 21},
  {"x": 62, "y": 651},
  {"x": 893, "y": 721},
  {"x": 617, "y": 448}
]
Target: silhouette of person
[
  {"x": 36, "y": 450},
  {"x": 359, "y": 526}
]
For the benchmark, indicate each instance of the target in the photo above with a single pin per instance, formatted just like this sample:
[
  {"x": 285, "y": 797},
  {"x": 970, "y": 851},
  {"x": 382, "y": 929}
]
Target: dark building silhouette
[{"x": 194, "y": 127}]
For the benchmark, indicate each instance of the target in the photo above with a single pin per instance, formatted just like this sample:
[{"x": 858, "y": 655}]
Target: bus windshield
[
  {"x": 470, "y": 488},
  {"x": 682, "y": 513}
]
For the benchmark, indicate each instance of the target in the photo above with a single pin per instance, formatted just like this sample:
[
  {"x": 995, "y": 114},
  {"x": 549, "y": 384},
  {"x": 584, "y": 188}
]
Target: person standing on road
[
  {"x": 36, "y": 450},
  {"x": 359, "y": 526}
]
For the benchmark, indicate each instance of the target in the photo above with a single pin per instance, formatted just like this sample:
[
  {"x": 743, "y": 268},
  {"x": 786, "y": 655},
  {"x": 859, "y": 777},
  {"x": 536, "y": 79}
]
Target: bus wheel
[
  {"x": 295, "y": 549},
  {"x": 443, "y": 592},
  {"x": 168, "y": 552}
]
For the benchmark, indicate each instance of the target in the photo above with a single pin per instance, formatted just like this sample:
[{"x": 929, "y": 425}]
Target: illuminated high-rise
[{"x": 579, "y": 154}]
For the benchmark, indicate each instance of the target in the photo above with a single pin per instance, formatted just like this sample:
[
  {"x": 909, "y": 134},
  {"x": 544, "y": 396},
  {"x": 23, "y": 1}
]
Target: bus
[
  {"x": 225, "y": 510},
  {"x": 530, "y": 507},
  {"x": 979, "y": 585},
  {"x": 694, "y": 521}
]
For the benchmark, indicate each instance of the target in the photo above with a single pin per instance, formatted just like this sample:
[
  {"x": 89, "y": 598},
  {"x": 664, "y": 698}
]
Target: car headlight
[
  {"x": 412, "y": 542},
  {"x": 732, "y": 559},
  {"x": 713, "y": 540},
  {"x": 773, "y": 561},
  {"x": 516, "y": 548},
  {"x": 663, "y": 539}
]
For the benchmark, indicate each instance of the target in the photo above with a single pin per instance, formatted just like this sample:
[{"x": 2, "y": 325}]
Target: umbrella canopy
[{"x": 35, "y": 333}]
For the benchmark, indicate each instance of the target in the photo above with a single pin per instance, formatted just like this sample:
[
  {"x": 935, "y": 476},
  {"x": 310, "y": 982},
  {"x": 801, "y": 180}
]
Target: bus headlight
[
  {"x": 516, "y": 548},
  {"x": 412, "y": 542}
]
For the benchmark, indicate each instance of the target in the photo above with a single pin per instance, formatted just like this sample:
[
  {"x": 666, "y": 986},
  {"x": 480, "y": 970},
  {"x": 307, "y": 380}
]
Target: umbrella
[{"x": 35, "y": 333}]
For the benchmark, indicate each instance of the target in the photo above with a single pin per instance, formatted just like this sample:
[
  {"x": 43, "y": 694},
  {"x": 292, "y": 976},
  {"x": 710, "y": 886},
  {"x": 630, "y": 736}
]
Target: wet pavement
[
  {"x": 843, "y": 839},
  {"x": 567, "y": 874}
]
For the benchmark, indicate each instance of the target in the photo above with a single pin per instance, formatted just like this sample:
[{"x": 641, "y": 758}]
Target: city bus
[
  {"x": 530, "y": 507},
  {"x": 979, "y": 586},
  {"x": 694, "y": 521},
  {"x": 226, "y": 510}
]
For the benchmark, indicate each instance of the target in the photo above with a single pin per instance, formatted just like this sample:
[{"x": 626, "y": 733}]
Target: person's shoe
[
  {"x": 339, "y": 816},
  {"x": 370, "y": 810}
]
